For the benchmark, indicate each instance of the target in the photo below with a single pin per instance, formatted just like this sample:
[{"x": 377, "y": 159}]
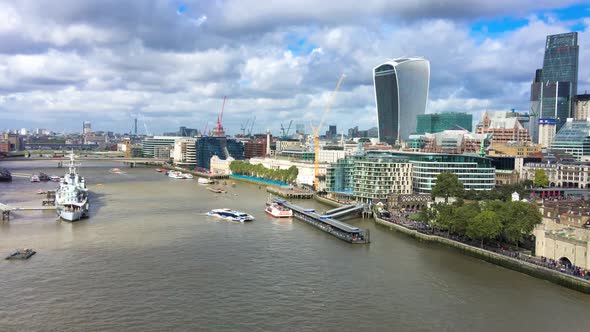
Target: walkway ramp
[
  {"x": 354, "y": 209},
  {"x": 338, "y": 209}
]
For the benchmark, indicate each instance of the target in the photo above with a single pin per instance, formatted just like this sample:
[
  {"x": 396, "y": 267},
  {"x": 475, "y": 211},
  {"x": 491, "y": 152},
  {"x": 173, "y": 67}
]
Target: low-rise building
[
  {"x": 561, "y": 175},
  {"x": 221, "y": 166},
  {"x": 514, "y": 149}
]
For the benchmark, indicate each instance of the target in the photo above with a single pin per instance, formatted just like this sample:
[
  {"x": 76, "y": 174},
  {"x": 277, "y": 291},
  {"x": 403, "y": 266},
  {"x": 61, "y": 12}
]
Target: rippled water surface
[{"x": 148, "y": 259}]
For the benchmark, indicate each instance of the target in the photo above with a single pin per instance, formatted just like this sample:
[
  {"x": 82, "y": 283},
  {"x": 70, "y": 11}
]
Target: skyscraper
[
  {"x": 401, "y": 92},
  {"x": 555, "y": 86}
]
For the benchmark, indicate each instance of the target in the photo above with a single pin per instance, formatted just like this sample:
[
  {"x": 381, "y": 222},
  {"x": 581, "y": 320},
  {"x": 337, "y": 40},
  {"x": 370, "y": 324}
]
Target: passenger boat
[
  {"x": 175, "y": 175},
  {"x": 216, "y": 190},
  {"x": 278, "y": 211},
  {"x": 55, "y": 178},
  {"x": 229, "y": 214},
  {"x": 21, "y": 254},
  {"x": 205, "y": 181},
  {"x": 35, "y": 178},
  {"x": 187, "y": 176}
]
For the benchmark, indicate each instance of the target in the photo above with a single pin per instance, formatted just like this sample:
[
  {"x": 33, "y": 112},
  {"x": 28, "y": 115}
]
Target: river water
[{"x": 148, "y": 259}]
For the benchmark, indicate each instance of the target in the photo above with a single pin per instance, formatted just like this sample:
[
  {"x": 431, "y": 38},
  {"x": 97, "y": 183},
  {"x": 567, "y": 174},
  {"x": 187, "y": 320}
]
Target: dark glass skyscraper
[
  {"x": 401, "y": 92},
  {"x": 555, "y": 86}
]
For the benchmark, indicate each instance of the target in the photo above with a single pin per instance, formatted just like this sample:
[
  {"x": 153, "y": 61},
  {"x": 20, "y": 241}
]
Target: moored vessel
[
  {"x": 21, "y": 254},
  {"x": 35, "y": 178},
  {"x": 175, "y": 175},
  {"x": 205, "y": 181},
  {"x": 71, "y": 199},
  {"x": 55, "y": 178},
  {"x": 187, "y": 175},
  {"x": 278, "y": 211},
  {"x": 229, "y": 214}
]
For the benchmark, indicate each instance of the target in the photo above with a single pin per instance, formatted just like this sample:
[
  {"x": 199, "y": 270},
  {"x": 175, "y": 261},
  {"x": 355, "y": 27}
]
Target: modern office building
[
  {"x": 450, "y": 141},
  {"x": 435, "y": 123},
  {"x": 184, "y": 152},
  {"x": 555, "y": 86},
  {"x": 220, "y": 146},
  {"x": 401, "y": 92},
  {"x": 149, "y": 144},
  {"x": 476, "y": 173},
  {"x": 582, "y": 107},
  {"x": 546, "y": 130},
  {"x": 255, "y": 148},
  {"x": 573, "y": 138}
]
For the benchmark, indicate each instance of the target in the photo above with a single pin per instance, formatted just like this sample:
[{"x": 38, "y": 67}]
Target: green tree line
[
  {"x": 284, "y": 175},
  {"x": 484, "y": 220}
]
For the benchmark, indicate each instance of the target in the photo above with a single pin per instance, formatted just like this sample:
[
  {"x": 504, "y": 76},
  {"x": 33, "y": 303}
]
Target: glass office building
[
  {"x": 401, "y": 93},
  {"x": 222, "y": 147},
  {"x": 435, "y": 123},
  {"x": 573, "y": 139},
  {"x": 555, "y": 86}
]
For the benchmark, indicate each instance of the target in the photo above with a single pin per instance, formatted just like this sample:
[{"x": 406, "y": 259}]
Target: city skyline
[{"x": 110, "y": 63}]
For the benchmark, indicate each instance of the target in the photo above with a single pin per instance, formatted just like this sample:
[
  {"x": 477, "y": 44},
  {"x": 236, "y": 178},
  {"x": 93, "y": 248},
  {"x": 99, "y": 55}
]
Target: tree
[
  {"x": 465, "y": 214},
  {"x": 520, "y": 220},
  {"x": 484, "y": 226},
  {"x": 541, "y": 179},
  {"x": 448, "y": 185}
]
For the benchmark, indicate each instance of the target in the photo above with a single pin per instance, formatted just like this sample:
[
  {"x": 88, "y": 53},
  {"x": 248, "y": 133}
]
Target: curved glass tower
[{"x": 401, "y": 92}]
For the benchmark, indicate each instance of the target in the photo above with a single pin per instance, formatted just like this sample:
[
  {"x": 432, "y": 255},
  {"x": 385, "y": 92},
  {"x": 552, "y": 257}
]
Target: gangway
[
  {"x": 338, "y": 209},
  {"x": 355, "y": 209}
]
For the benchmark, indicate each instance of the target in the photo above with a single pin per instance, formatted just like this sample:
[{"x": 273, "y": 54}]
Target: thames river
[{"x": 149, "y": 259}]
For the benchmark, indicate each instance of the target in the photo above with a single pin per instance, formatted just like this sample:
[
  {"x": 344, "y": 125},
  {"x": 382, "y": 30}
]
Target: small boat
[
  {"x": 35, "y": 178},
  {"x": 115, "y": 170},
  {"x": 21, "y": 254},
  {"x": 229, "y": 214},
  {"x": 187, "y": 175},
  {"x": 41, "y": 192},
  {"x": 43, "y": 177},
  {"x": 55, "y": 178},
  {"x": 175, "y": 175},
  {"x": 205, "y": 181},
  {"x": 278, "y": 211},
  {"x": 216, "y": 190},
  {"x": 160, "y": 170}
]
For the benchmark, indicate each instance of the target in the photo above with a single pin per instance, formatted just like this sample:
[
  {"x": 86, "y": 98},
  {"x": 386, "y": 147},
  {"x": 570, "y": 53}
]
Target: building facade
[
  {"x": 582, "y": 107},
  {"x": 150, "y": 143},
  {"x": 504, "y": 127},
  {"x": 435, "y": 123},
  {"x": 546, "y": 130},
  {"x": 573, "y": 139},
  {"x": 560, "y": 175},
  {"x": 220, "y": 146},
  {"x": 401, "y": 92},
  {"x": 184, "y": 152},
  {"x": 370, "y": 175}
]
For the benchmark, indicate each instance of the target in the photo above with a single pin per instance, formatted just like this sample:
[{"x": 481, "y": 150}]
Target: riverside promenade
[{"x": 572, "y": 277}]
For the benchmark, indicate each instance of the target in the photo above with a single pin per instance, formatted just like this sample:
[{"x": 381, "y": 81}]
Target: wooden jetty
[{"x": 290, "y": 192}]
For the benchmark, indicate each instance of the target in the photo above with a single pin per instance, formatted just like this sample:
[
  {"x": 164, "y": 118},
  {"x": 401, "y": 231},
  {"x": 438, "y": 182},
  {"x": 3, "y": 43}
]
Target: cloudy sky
[{"x": 169, "y": 63}]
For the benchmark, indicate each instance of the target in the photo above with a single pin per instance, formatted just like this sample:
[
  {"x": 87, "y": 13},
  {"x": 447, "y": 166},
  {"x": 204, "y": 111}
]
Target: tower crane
[
  {"x": 286, "y": 131},
  {"x": 220, "y": 119},
  {"x": 316, "y": 135}
]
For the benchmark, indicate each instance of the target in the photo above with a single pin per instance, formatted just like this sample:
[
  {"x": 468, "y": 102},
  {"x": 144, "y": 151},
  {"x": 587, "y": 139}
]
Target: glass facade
[
  {"x": 149, "y": 144},
  {"x": 222, "y": 147},
  {"x": 573, "y": 138},
  {"x": 559, "y": 77},
  {"x": 435, "y": 123},
  {"x": 401, "y": 93}
]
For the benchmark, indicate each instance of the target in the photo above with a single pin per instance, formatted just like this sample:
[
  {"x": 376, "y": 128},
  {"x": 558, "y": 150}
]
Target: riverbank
[{"x": 495, "y": 258}]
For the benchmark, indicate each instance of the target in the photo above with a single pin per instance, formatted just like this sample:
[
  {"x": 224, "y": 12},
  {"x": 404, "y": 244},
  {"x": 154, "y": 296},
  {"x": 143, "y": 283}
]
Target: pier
[
  {"x": 326, "y": 223},
  {"x": 291, "y": 193},
  {"x": 6, "y": 209}
]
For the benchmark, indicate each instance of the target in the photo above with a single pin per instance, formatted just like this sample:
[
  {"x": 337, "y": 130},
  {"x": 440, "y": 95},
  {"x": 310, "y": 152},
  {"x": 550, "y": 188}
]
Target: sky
[{"x": 169, "y": 63}]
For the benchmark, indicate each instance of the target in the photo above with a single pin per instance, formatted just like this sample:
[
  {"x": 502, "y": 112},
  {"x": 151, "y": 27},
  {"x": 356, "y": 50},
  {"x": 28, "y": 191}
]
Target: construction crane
[
  {"x": 286, "y": 132},
  {"x": 252, "y": 126},
  {"x": 220, "y": 120},
  {"x": 244, "y": 127},
  {"x": 316, "y": 135}
]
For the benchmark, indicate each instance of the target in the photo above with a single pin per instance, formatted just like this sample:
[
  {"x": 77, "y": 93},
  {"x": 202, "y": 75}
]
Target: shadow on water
[{"x": 97, "y": 202}]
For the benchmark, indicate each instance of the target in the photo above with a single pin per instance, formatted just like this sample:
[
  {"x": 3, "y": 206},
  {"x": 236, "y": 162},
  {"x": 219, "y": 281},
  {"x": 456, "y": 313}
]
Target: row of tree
[
  {"x": 284, "y": 175},
  {"x": 484, "y": 220}
]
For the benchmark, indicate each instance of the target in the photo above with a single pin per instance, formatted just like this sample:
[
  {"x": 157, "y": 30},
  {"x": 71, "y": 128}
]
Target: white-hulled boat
[
  {"x": 175, "y": 175},
  {"x": 35, "y": 178},
  {"x": 71, "y": 199},
  {"x": 229, "y": 214},
  {"x": 278, "y": 211},
  {"x": 55, "y": 178},
  {"x": 187, "y": 175},
  {"x": 205, "y": 181}
]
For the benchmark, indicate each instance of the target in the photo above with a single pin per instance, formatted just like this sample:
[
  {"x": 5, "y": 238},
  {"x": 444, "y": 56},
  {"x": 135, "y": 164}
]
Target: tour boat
[
  {"x": 205, "y": 181},
  {"x": 216, "y": 190},
  {"x": 278, "y": 211},
  {"x": 229, "y": 214},
  {"x": 34, "y": 178}
]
